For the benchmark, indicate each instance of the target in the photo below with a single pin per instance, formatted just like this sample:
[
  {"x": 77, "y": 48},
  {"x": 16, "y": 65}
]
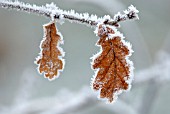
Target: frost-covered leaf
[
  {"x": 113, "y": 68},
  {"x": 50, "y": 60}
]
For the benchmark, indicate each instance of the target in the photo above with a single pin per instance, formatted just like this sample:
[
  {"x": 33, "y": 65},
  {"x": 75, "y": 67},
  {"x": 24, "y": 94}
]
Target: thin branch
[{"x": 52, "y": 11}]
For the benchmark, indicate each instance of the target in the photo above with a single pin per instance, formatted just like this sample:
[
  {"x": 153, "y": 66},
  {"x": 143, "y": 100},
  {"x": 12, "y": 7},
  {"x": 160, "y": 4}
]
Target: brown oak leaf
[
  {"x": 50, "y": 61},
  {"x": 113, "y": 69}
]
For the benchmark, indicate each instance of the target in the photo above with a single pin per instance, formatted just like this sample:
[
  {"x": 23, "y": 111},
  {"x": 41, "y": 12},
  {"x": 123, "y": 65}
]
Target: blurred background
[{"x": 24, "y": 91}]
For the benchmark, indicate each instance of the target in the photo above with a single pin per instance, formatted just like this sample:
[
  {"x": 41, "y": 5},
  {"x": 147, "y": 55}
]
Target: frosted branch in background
[
  {"x": 156, "y": 76},
  {"x": 76, "y": 102},
  {"x": 159, "y": 71},
  {"x": 84, "y": 99},
  {"x": 52, "y": 11}
]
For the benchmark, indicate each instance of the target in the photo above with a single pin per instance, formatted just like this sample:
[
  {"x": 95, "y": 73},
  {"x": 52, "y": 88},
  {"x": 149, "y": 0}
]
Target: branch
[
  {"x": 159, "y": 71},
  {"x": 52, "y": 11},
  {"x": 69, "y": 102},
  {"x": 66, "y": 102}
]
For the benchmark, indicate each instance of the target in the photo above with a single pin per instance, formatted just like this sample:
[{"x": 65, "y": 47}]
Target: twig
[
  {"x": 52, "y": 11},
  {"x": 134, "y": 34}
]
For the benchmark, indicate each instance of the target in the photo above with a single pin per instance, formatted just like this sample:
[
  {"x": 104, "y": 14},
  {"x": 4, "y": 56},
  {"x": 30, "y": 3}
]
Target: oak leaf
[
  {"x": 50, "y": 60},
  {"x": 113, "y": 69}
]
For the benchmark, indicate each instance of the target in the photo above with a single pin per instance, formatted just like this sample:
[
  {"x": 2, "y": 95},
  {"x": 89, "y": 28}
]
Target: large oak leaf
[{"x": 113, "y": 67}]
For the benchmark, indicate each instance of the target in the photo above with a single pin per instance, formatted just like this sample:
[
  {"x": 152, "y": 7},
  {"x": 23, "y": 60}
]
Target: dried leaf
[
  {"x": 113, "y": 67},
  {"x": 50, "y": 61}
]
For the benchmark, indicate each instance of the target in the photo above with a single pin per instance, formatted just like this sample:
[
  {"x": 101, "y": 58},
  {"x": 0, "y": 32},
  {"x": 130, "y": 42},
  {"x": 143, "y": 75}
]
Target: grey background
[{"x": 21, "y": 33}]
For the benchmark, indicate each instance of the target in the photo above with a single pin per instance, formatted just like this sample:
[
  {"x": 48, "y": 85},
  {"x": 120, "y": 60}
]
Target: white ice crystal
[{"x": 132, "y": 9}]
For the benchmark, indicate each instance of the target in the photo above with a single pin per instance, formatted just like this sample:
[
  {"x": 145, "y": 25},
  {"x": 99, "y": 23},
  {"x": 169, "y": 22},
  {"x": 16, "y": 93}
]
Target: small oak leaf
[
  {"x": 114, "y": 70},
  {"x": 50, "y": 61}
]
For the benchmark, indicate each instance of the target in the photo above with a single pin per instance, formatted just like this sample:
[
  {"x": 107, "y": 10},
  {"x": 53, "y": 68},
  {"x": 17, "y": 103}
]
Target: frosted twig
[
  {"x": 137, "y": 39},
  {"x": 52, "y": 11}
]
